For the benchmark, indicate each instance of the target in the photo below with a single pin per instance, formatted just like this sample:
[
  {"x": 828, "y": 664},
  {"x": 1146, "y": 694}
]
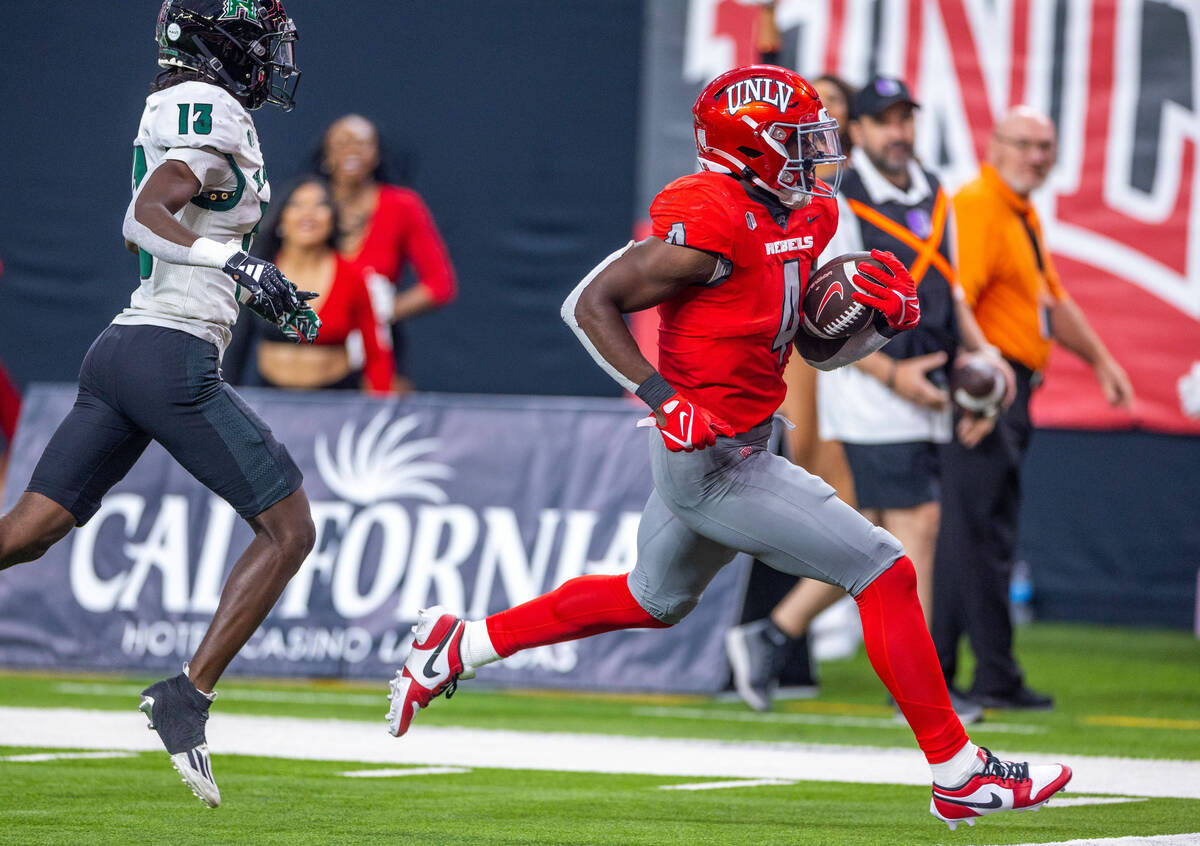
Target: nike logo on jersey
[
  {"x": 757, "y": 90},
  {"x": 787, "y": 245},
  {"x": 430, "y": 672},
  {"x": 993, "y": 802}
]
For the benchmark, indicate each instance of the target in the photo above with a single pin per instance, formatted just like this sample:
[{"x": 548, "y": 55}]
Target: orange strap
[{"x": 927, "y": 249}]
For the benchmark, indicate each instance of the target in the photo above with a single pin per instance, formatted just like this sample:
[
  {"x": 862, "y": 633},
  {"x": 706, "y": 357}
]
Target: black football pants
[{"x": 981, "y": 498}]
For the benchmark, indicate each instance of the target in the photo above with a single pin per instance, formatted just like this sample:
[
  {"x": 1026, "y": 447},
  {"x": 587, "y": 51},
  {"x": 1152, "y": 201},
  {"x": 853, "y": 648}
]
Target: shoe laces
[{"x": 1004, "y": 770}]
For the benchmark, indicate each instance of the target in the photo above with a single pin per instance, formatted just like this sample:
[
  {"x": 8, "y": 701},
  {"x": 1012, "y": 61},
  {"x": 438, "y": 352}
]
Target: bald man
[{"x": 1010, "y": 283}]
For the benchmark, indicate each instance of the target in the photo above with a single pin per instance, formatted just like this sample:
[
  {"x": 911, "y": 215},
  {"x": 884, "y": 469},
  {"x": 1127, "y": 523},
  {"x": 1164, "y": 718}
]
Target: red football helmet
[{"x": 767, "y": 124}]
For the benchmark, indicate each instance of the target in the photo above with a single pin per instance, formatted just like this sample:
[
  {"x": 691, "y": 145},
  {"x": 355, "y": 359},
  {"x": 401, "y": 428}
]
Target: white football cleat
[
  {"x": 1001, "y": 786},
  {"x": 434, "y": 665},
  {"x": 195, "y": 767}
]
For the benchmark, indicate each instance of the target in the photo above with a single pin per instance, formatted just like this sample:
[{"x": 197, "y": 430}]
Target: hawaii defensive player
[
  {"x": 199, "y": 192},
  {"x": 730, "y": 256}
]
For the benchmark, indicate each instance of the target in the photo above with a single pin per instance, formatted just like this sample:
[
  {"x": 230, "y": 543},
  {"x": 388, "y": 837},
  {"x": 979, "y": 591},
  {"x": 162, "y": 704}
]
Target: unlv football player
[{"x": 731, "y": 253}]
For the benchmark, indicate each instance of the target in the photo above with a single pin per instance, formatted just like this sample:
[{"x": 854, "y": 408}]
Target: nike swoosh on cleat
[
  {"x": 430, "y": 673},
  {"x": 994, "y": 802}
]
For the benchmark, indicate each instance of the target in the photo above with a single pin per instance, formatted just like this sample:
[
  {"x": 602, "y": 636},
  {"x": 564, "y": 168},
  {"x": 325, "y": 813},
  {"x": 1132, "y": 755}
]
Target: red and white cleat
[
  {"x": 1002, "y": 786},
  {"x": 434, "y": 665}
]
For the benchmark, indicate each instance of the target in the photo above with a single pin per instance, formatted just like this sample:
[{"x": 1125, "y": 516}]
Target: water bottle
[{"x": 1020, "y": 593}]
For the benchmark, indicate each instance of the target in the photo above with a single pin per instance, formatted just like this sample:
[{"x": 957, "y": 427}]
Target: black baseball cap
[{"x": 879, "y": 94}]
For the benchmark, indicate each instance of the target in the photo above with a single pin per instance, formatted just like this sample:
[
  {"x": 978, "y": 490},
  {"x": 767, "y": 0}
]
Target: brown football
[
  {"x": 977, "y": 385},
  {"x": 829, "y": 311}
]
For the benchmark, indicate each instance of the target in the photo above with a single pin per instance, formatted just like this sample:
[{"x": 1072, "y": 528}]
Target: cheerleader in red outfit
[
  {"x": 384, "y": 228},
  {"x": 351, "y": 351}
]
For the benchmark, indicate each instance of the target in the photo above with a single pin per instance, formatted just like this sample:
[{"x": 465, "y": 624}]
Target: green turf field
[{"x": 1121, "y": 693}]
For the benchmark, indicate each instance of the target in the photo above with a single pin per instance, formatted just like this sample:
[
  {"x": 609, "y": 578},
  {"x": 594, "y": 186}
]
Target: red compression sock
[
  {"x": 903, "y": 656},
  {"x": 579, "y": 607}
]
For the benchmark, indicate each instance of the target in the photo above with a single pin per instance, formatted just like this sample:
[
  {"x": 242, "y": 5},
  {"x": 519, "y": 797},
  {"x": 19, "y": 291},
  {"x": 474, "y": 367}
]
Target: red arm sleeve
[
  {"x": 425, "y": 249},
  {"x": 377, "y": 363}
]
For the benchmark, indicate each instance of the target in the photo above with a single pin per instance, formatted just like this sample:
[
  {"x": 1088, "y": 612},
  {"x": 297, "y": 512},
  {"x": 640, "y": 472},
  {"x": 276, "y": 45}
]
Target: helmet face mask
[
  {"x": 245, "y": 46},
  {"x": 766, "y": 124},
  {"x": 804, "y": 146}
]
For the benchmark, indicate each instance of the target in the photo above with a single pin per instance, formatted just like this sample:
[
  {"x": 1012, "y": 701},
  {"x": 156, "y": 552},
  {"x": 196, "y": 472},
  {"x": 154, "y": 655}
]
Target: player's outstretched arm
[{"x": 638, "y": 277}]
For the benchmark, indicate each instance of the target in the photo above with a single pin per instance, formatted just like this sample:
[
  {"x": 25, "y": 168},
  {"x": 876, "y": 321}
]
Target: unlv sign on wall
[
  {"x": 472, "y": 503},
  {"x": 1121, "y": 78}
]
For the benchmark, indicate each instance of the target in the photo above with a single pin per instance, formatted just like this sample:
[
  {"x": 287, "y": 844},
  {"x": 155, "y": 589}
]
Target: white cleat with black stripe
[{"x": 178, "y": 712}]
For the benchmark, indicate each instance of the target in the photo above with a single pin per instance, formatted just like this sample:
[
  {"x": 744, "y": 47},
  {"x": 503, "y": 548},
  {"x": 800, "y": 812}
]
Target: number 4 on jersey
[
  {"x": 789, "y": 318},
  {"x": 197, "y": 116}
]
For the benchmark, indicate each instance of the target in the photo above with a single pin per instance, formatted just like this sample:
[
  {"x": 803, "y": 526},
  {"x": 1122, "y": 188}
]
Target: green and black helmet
[{"x": 245, "y": 46}]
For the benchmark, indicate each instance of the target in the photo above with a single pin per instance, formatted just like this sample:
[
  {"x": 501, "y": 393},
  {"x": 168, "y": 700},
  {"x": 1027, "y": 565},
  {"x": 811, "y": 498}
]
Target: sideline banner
[
  {"x": 1121, "y": 209},
  {"x": 475, "y": 503}
]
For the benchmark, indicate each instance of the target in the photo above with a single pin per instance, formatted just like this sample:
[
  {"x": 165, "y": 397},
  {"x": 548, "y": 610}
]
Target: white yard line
[
  {"x": 345, "y": 740},
  {"x": 408, "y": 771},
  {"x": 1151, "y": 840},
  {"x": 813, "y": 719},
  {"x": 1076, "y": 801},
  {"x": 722, "y": 785},
  {"x": 42, "y": 757},
  {"x": 301, "y": 697}
]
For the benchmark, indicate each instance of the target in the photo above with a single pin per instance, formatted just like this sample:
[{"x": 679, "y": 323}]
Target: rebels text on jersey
[{"x": 725, "y": 345}]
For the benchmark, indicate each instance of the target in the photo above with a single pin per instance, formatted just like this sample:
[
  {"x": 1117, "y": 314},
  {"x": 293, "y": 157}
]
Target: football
[
  {"x": 829, "y": 312},
  {"x": 977, "y": 385}
]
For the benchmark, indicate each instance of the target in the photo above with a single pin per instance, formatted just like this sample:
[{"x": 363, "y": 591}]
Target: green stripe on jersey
[
  {"x": 223, "y": 200},
  {"x": 145, "y": 260}
]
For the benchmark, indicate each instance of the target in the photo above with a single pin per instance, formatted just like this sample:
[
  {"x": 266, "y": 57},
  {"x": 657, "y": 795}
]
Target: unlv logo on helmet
[
  {"x": 779, "y": 148},
  {"x": 739, "y": 95}
]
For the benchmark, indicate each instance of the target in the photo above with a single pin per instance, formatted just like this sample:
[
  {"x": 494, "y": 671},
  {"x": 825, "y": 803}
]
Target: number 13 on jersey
[{"x": 197, "y": 117}]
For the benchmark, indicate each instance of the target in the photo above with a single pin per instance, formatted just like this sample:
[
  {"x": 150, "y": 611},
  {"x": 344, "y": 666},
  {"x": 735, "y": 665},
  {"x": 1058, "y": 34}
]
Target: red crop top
[{"x": 346, "y": 307}]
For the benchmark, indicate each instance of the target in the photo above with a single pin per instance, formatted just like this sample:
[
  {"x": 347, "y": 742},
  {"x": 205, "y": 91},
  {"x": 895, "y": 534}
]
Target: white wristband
[{"x": 206, "y": 252}]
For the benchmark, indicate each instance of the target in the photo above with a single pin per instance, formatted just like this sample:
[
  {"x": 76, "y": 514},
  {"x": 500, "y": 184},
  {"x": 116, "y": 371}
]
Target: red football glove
[
  {"x": 893, "y": 294},
  {"x": 686, "y": 426}
]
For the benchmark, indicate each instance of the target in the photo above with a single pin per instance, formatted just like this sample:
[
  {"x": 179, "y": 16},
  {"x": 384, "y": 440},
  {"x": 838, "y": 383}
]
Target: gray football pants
[{"x": 737, "y": 496}]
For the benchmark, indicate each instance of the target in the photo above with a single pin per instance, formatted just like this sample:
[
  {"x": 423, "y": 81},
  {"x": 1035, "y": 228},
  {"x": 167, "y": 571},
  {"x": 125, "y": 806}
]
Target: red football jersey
[{"x": 725, "y": 346}]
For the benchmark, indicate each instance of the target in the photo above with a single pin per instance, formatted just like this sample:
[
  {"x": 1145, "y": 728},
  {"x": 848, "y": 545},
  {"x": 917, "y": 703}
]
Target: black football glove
[{"x": 268, "y": 293}]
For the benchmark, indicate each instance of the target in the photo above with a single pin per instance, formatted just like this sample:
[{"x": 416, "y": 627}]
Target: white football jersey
[{"x": 204, "y": 127}]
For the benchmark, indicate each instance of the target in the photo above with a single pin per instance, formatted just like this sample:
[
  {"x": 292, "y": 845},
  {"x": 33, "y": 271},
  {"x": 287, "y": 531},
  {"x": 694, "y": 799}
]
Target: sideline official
[{"x": 1009, "y": 280}]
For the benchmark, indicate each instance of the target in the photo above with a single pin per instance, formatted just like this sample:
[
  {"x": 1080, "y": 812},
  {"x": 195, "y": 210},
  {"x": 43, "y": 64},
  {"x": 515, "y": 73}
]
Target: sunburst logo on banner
[{"x": 378, "y": 463}]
